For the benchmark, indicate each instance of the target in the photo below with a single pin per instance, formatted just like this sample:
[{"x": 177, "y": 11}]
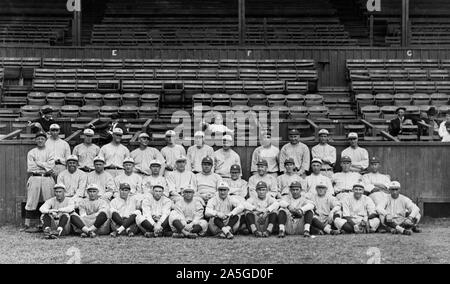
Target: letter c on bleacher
[
  {"x": 374, "y": 5},
  {"x": 73, "y": 5}
]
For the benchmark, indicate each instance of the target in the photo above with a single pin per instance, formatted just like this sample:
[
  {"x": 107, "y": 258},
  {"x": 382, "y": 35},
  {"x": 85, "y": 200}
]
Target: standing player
[
  {"x": 261, "y": 216},
  {"x": 358, "y": 155},
  {"x": 358, "y": 213},
  {"x": 155, "y": 178},
  {"x": 325, "y": 152},
  {"x": 206, "y": 182},
  {"x": 143, "y": 155},
  {"x": 60, "y": 149},
  {"x": 56, "y": 214},
  {"x": 114, "y": 153},
  {"x": 154, "y": 221},
  {"x": 179, "y": 179},
  {"x": 172, "y": 151},
  {"x": 296, "y": 213},
  {"x": 267, "y": 152},
  {"x": 86, "y": 151},
  {"x": 289, "y": 176},
  {"x": 343, "y": 182},
  {"x": 317, "y": 177},
  {"x": 296, "y": 150},
  {"x": 223, "y": 211},
  {"x": 186, "y": 219},
  {"x": 93, "y": 218},
  {"x": 124, "y": 210},
  {"x": 74, "y": 180},
  {"x": 197, "y": 152},
  {"x": 377, "y": 184},
  {"x": 129, "y": 177},
  {"x": 40, "y": 164},
  {"x": 102, "y": 179},
  {"x": 224, "y": 158},
  {"x": 400, "y": 213},
  {"x": 238, "y": 186},
  {"x": 262, "y": 175}
]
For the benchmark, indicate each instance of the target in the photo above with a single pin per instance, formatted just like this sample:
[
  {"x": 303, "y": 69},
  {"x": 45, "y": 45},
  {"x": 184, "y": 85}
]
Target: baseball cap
[
  {"x": 190, "y": 189},
  {"x": 316, "y": 160},
  {"x": 323, "y": 132},
  {"x": 294, "y": 131},
  {"x": 40, "y": 133},
  {"x": 158, "y": 185},
  {"x": 295, "y": 184},
  {"x": 88, "y": 132},
  {"x": 223, "y": 184},
  {"x": 394, "y": 185},
  {"x": 199, "y": 134},
  {"x": 72, "y": 158},
  {"x": 360, "y": 185},
  {"x": 261, "y": 184},
  {"x": 47, "y": 110},
  {"x": 322, "y": 184},
  {"x": 207, "y": 160},
  {"x": 92, "y": 186},
  {"x": 124, "y": 185},
  {"x": 346, "y": 159},
  {"x": 181, "y": 158},
  {"x": 235, "y": 168},
  {"x": 118, "y": 131},
  {"x": 400, "y": 108},
  {"x": 262, "y": 162},
  {"x": 59, "y": 185},
  {"x": 289, "y": 160},
  {"x": 374, "y": 160},
  {"x": 227, "y": 138},
  {"x": 55, "y": 126},
  {"x": 352, "y": 135},
  {"x": 99, "y": 159},
  {"x": 128, "y": 160},
  {"x": 144, "y": 135},
  {"x": 170, "y": 133},
  {"x": 155, "y": 162}
]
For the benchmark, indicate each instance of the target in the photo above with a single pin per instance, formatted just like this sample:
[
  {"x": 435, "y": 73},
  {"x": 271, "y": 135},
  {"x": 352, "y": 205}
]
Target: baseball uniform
[
  {"x": 61, "y": 151},
  {"x": 223, "y": 160},
  {"x": 270, "y": 180},
  {"x": 300, "y": 154},
  {"x": 75, "y": 184},
  {"x": 156, "y": 212},
  {"x": 134, "y": 180},
  {"x": 86, "y": 154},
  {"x": 326, "y": 209},
  {"x": 188, "y": 214},
  {"x": 285, "y": 180},
  {"x": 356, "y": 211},
  {"x": 359, "y": 157},
  {"x": 370, "y": 181},
  {"x": 399, "y": 210},
  {"x": 343, "y": 183},
  {"x": 269, "y": 154},
  {"x": 238, "y": 188},
  {"x": 92, "y": 213},
  {"x": 256, "y": 206},
  {"x": 60, "y": 219},
  {"x": 114, "y": 156},
  {"x": 177, "y": 180},
  {"x": 171, "y": 154},
  {"x": 206, "y": 185},
  {"x": 105, "y": 181},
  {"x": 142, "y": 159},
  {"x": 313, "y": 180},
  {"x": 325, "y": 152},
  {"x": 149, "y": 181},
  {"x": 195, "y": 156},
  {"x": 230, "y": 206},
  {"x": 124, "y": 212},
  {"x": 293, "y": 224}
]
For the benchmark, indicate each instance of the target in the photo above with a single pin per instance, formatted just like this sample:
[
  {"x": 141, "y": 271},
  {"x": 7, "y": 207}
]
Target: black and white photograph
[{"x": 225, "y": 137}]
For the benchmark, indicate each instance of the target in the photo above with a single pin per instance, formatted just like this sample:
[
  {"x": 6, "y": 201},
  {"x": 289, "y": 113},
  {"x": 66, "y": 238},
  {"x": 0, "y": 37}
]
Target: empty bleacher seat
[
  {"x": 112, "y": 99},
  {"x": 56, "y": 98},
  {"x": 70, "y": 111},
  {"x": 295, "y": 99},
  {"x": 149, "y": 99},
  {"x": 93, "y": 99},
  {"x": 131, "y": 99},
  {"x": 108, "y": 110},
  {"x": 74, "y": 98},
  {"x": 239, "y": 99},
  {"x": 276, "y": 100},
  {"x": 36, "y": 98},
  {"x": 90, "y": 111},
  {"x": 257, "y": 100}
]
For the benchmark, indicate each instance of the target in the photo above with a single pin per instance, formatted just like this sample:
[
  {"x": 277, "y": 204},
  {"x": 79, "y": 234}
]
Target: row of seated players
[{"x": 41, "y": 165}]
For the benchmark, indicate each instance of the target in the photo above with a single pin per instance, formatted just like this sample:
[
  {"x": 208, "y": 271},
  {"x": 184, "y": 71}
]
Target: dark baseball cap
[
  {"x": 294, "y": 132},
  {"x": 346, "y": 159},
  {"x": 261, "y": 184},
  {"x": 374, "y": 160},
  {"x": 40, "y": 133},
  {"x": 235, "y": 168},
  {"x": 295, "y": 184},
  {"x": 289, "y": 160},
  {"x": 207, "y": 160},
  {"x": 262, "y": 162}
]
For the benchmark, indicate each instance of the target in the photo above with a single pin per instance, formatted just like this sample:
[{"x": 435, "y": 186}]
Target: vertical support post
[
  {"x": 371, "y": 22},
  {"x": 242, "y": 29},
  {"x": 405, "y": 23},
  {"x": 76, "y": 28}
]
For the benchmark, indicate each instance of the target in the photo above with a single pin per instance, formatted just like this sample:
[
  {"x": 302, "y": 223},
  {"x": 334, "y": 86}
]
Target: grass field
[{"x": 430, "y": 246}]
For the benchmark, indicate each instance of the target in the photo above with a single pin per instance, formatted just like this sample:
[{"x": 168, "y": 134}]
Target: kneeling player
[
  {"x": 187, "y": 220},
  {"x": 94, "y": 215},
  {"x": 262, "y": 216},
  {"x": 124, "y": 210},
  {"x": 296, "y": 213},
  {"x": 327, "y": 209},
  {"x": 400, "y": 213},
  {"x": 358, "y": 213},
  {"x": 56, "y": 213},
  {"x": 154, "y": 221},
  {"x": 224, "y": 211}
]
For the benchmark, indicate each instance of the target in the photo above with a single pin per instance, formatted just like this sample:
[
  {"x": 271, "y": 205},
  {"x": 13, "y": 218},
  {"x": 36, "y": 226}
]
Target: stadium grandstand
[{"x": 323, "y": 64}]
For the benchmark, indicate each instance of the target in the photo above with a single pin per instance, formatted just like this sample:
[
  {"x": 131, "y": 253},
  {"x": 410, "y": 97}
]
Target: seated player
[
  {"x": 238, "y": 186},
  {"x": 262, "y": 212},
  {"x": 179, "y": 178},
  {"x": 343, "y": 182},
  {"x": 358, "y": 213},
  {"x": 317, "y": 177},
  {"x": 155, "y": 177},
  {"x": 129, "y": 177},
  {"x": 400, "y": 213},
  {"x": 56, "y": 213},
  {"x": 207, "y": 181},
  {"x": 223, "y": 211},
  {"x": 154, "y": 221},
  {"x": 296, "y": 213},
  {"x": 268, "y": 179},
  {"x": 377, "y": 184},
  {"x": 186, "y": 219},
  {"x": 124, "y": 210},
  {"x": 102, "y": 179},
  {"x": 93, "y": 218},
  {"x": 289, "y": 176},
  {"x": 327, "y": 209}
]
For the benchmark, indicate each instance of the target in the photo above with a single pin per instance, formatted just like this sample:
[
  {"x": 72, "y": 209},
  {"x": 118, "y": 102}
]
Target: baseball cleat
[
  {"x": 47, "y": 233},
  {"x": 149, "y": 235},
  {"x": 306, "y": 234},
  {"x": 221, "y": 235},
  {"x": 177, "y": 235},
  {"x": 130, "y": 234},
  {"x": 266, "y": 234},
  {"x": 230, "y": 236},
  {"x": 281, "y": 234},
  {"x": 114, "y": 234},
  {"x": 84, "y": 235},
  {"x": 92, "y": 234},
  {"x": 335, "y": 232},
  {"x": 407, "y": 232},
  {"x": 192, "y": 236},
  {"x": 245, "y": 232},
  {"x": 258, "y": 234}
]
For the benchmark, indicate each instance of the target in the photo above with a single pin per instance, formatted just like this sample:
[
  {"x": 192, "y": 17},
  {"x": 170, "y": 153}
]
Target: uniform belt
[
  {"x": 113, "y": 168},
  {"x": 41, "y": 175},
  {"x": 86, "y": 170},
  {"x": 344, "y": 191}
]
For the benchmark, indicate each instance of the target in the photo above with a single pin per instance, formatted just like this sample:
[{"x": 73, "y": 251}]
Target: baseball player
[
  {"x": 186, "y": 219},
  {"x": 60, "y": 149},
  {"x": 343, "y": 182},
  {"x": 223, "y": 211},
  {"x": 74, "y": 180},
  {"x": 238, "y": 186},
  {"x": 101, "y": 178},
  {"x": 86, "y": 151},
  {"x": 359, "y": 214},
  {"x": 262, "y": 210},
  {"x": 262, "y": 175},
  {"x": 297, "y": 151},
  {"x": 317, "y": 177},
  {"x": 172, "y": 151},
  {"x": 400, "y": 213},
  {"x": 154, "y": 221},
  {"x": 327, "y": 210},
  {"x": 124, "y": 209},
  {"x": 93, "y": 218},
  {"x": 197, "y": 152},
  {"x": 40, "y": 164},
  {"x": 56, "y": 213},
  {"x": 155, "y": 178},
  {"x": 377, "y": 184},
  {"x": 285, "y": 180},
  {"x": 224, "y": 158},
  {"x": 178, "y": 179},
  {"x": 143, "y": 155},
  {"x": 267, "y": 152},
  {"x": 358, "y": 155},
  {"x": 325, "y": 152},
  {"x": 129, "y": 177},
  {"x": 206, "y": 182},
  {"x": 114, "y": 153},
  {"x": 296, "y": 213}
]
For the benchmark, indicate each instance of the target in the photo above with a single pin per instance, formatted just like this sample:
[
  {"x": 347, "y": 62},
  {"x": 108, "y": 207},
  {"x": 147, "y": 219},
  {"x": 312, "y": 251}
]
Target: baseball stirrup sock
[
  {"x": 100, "y": 220},
  {"x": 282, "y": 218},
  {"x": 218, "y": 222},
  {"x": 233, "y": 220},
  {"x": 47, "y": 220},
  {"x": 308, "y": 217},
  {"x": 63, "y": 221}
]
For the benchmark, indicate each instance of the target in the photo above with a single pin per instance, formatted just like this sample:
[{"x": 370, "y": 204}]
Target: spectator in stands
[
  {"x": 325, "y": 152},
  {"x": 224, "y": 158},
  {"x": 115, "y": 153},
  {"x": 60, "y": 149},
  {"x": 343, "y": 182},
  {"x": 102, "y": 179},
  {"x": 262, "y": 175},
  {"x": 143, "y": 155},
  {"x": 267, "y": 152},
  {"x": 86, "y": 151},
  {"x": 179, "y": 179},
  {"x": 172, "y": 151},
  {"x": 128, "y": 176},
  {"x": 316, "y": 177},
  {"x": 44, "y": 122},
  {"x": 359, "y": 156},
  {"x": 444, "y": 131},
  {"x": 106, "y": 128},
  {"x": 197, "y": 152},
  {"x": 428, "y": 117},
  {"x": 376, "y": 184},
  {"x": 395, "y": 126},
  {"x": 296, "y": 150}
]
